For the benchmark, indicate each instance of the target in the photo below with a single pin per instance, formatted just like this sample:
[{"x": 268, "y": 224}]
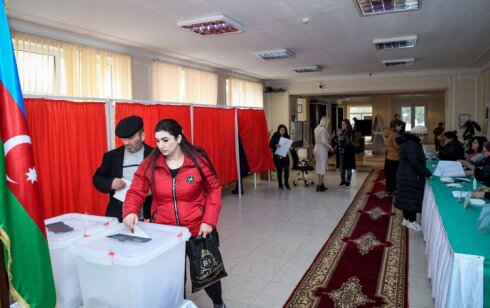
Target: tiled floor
[{"x": 270, "y": 237}]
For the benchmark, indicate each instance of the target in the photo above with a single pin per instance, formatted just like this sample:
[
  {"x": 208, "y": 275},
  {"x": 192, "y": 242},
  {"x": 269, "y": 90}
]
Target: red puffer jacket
[{"x": 183, "y": 201}]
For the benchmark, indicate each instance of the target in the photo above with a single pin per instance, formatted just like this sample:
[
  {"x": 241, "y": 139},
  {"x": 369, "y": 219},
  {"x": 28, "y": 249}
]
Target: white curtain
[
  {"x": 50, "y": 67},
  {"x": 200, "y": 87},
  {"x": 167, "y": 82},
  {"x": 174, "y": 83},
  {"x": 244, "y": 93},
  {"x": 37, "y": 62}
]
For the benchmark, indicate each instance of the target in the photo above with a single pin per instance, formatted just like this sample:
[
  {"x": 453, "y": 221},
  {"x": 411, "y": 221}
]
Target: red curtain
[
  {"x": 151, "y": 115},
  {"x": 214, "y": 130},
  {"x": 68, "y": 139},
  {"x": 252, "y": 128}
]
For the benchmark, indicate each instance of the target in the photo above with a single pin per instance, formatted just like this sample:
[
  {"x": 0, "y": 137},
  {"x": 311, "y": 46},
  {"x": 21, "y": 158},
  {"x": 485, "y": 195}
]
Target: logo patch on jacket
[{"x": 190, "y": 179}]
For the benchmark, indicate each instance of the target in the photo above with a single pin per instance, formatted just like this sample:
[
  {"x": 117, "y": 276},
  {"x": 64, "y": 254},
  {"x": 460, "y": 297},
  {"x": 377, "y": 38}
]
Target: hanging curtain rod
[{"x": 146, "y": 102}]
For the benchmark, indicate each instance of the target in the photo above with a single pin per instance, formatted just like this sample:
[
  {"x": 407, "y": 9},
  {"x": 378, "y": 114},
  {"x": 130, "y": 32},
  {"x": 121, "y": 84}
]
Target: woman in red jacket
[{"x": 185, "y": 187}]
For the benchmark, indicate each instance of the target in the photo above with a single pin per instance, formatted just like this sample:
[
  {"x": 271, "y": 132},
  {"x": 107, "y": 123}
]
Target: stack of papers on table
[{"x": 449, "y": 168}]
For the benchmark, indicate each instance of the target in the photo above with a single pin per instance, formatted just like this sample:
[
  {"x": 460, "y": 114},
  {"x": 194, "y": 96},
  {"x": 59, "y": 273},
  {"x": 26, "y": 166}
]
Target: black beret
[{"x": 129, "y": 126}]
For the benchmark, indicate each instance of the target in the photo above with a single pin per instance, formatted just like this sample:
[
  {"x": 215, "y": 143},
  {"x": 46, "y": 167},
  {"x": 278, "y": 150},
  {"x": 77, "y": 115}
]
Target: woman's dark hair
[
  {"x": 194, "y": 153},
  {"x": 349, "y": 126},
  {"x": 285, "y": 129},
  {"x": 451, "y": 135},
  {"x": 486, "y": 145},
  {"x": 481, "y": 140}
]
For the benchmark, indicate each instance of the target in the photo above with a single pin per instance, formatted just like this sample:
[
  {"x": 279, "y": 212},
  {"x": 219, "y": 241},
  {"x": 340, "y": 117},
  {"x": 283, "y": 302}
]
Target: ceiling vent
[
  {"x": 307, "y": 69},
  {"x": 374, "y": 7},
  {"x": 275, "y": 54},
  {"x": 396, "y": 42},
  {"x": 398, "y": 63},
  {"x": 212, "y": 26}
]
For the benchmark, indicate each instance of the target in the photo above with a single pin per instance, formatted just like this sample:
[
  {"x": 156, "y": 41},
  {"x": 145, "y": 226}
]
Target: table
[{"x": 458, "y": 254}]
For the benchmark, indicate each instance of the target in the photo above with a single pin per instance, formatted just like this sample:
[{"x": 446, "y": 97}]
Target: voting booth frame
[{"x": 77, "y": 132}]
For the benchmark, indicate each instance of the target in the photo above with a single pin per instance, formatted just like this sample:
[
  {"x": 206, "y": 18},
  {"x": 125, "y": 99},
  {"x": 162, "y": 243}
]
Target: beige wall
[{"x": 277, "y": 111}]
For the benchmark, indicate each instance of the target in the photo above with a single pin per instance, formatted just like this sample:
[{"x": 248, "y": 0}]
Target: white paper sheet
[
  {"x": 138, "y": 232},
  {"x": 284, "y": 148},
  {"x": 449, "y": 168},
  {"x": 120, "y": 194}
]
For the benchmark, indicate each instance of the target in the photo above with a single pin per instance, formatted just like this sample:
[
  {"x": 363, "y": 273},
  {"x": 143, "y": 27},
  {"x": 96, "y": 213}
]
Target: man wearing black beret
[{"x": 121, "y": 163}]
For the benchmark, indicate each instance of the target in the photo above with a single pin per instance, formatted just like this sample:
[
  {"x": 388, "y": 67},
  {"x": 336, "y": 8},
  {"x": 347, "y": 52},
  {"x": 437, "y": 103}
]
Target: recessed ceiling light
[
  {"x": 373, "y": 7},
  {"x": 399, "y": 62},
  {"x": 396, "y": 42},
  {"x": 210, "y": 26},
  {"x": 275, "y": 54},
  {"x": 307, "y": 69}
]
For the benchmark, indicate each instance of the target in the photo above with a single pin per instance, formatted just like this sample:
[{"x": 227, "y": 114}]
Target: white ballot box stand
[
  {"x": 62, "y": 232},
  {"x": 119, "y": 269}
]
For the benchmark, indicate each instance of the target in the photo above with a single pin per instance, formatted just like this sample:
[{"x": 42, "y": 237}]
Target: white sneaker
[
  {"x": 405, "y": 222},
  {"x": 414, "y": 226}
]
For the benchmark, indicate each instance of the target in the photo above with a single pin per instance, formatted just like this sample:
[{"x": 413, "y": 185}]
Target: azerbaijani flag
[{"x": 21, "y": 221}]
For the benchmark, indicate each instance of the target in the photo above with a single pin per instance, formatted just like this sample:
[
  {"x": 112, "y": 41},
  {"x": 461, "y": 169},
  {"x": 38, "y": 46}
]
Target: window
[
  {"x": 51, "y": 67},
  {"x": 174, "y": 83},
  {"x": 243, "y": 93},
  {"x": 413, "y": 116},
  {"x": 360, "y": 112}
]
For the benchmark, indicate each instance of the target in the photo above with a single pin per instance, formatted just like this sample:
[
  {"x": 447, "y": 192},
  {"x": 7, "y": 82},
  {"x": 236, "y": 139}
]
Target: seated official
[
  {"x": 482, "y": 170},
  {"x": 475, "y": 158},
  {"x": 453, "y": 149}
]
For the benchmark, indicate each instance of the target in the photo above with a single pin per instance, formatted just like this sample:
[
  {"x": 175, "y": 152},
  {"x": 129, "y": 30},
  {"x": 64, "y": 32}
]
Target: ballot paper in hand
[
  {"x": 449, "y": 168},
  {"x": 284, "y": 148},
  {"x": 120, "y": 194}
]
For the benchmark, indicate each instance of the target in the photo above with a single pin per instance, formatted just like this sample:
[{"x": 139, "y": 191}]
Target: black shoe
[
  {"x": 235, "y": 192},
  {"x": 281, "y": 187},
  {"x": 317, "y": 188},
  {"x": 341, "y": 184},
  {"x": 347, "y": 185},
  {"x": 323, "y": 188},
  {"x": 287, "y": 186}
]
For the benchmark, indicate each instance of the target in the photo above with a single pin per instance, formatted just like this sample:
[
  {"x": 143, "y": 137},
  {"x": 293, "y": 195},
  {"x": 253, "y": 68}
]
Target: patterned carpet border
[{"x": 364, "y": 262}]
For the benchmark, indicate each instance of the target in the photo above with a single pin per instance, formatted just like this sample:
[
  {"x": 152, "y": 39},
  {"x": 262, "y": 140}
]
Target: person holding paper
[
  {"x": 282, "y": 163},
  {"x": 118, "y": 166},
  {"x": 322, "y": 146},
  {"x": 410, "y": 179},
  {"x": 347, "y": 158},
  {"x": 452, "y": 149},
  {"x": 186, "y": 189}
]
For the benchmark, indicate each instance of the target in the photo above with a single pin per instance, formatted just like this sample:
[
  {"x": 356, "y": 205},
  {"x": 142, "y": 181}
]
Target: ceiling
[{"x": 453, "y": 34}]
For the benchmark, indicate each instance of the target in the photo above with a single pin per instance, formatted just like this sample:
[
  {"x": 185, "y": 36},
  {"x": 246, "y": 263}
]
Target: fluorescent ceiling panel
[
  {"x": 275, "y": 54},
  {"x": 399, "y": 62},
  {"x": 373, "y": 7},
  {"x": 212, "y": 26},
  {"x": 307, "y": 69},
  {"x": 396, "y": 42}
]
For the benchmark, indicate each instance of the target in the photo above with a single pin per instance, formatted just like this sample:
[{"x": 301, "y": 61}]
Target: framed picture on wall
[{"x": 463, "y": 118}]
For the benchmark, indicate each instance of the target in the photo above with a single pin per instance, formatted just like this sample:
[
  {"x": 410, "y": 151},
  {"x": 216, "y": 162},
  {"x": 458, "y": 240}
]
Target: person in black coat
[
  {"x": 452, "y": 149},
  {"x": 346, "y": 154},
  {"x": 410, "y": 179},
  {"x": 282, "y": 163},
  {"x": 122, "y": 163}
]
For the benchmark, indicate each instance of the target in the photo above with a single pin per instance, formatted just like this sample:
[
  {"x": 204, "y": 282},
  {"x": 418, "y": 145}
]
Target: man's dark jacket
[{"x": 111, "y": 168}]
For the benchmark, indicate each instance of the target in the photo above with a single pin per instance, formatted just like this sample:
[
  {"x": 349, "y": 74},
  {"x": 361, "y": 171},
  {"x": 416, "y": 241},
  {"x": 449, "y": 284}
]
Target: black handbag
[{"x": 206, "y": 263}]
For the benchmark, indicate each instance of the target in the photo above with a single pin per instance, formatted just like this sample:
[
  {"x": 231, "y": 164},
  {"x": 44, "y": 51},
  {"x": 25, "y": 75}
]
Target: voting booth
[
  {"x": 142, "y": 269},
  {"x": 62, "y": 232}
]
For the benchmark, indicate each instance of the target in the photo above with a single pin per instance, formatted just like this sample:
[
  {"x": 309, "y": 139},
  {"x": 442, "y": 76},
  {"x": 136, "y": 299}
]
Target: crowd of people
[{"x": 177, "y": 170}]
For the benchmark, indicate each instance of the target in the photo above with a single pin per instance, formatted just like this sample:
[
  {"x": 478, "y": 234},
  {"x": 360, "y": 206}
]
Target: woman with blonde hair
[{"x": 322, "y": 146}]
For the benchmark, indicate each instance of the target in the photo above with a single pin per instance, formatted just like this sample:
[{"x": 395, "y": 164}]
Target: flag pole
[{"x": 4, "y": 282}]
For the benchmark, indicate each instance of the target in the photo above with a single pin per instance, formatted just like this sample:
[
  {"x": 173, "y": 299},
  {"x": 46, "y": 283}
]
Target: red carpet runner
[{"x": 364, "y": 262}]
